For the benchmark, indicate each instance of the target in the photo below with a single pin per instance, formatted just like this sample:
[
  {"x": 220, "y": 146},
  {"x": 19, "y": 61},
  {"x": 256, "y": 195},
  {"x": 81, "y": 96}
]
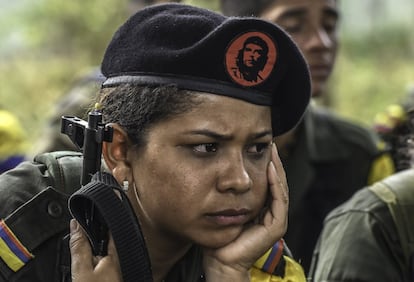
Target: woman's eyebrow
[
  {"x": 262, "y": 134},
  {"x": 225, "y": 137},
  {"x": 331, "y": 12},
  {"x": 209, "y": 133},
  {"x": 300, "y": 11},
  {"x": 292, "y": 13}
]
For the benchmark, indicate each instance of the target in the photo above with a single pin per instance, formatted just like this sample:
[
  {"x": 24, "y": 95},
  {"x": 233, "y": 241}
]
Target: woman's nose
[
  {"x": 233, "y": 176},
  {"x": 320, "y": 39}
]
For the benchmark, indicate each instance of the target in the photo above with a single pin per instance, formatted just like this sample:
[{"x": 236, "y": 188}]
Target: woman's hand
[
  {"x": 234, "y": 260},
  {"x": 89, "y": 268}
]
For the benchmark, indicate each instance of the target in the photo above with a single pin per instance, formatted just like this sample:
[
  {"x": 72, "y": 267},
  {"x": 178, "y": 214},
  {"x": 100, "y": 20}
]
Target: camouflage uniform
[{"x": 368, "y": 239}]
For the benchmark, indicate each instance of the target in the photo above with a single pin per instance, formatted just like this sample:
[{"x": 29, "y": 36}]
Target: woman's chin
[
  {"x": 318, "y": 88},
  {"x": 219, "y": 239}
]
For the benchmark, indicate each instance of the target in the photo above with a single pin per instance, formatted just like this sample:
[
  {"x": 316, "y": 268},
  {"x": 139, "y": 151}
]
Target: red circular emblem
[{"x": 250, "y": 58}]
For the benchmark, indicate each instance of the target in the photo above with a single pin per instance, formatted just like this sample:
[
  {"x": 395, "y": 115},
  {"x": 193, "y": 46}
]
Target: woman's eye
[
  {"x": 292, "y": 25},
  {"x": 206, "y": 148},
  {"x": 291, "y": 29},
  {"x": 258, "y": 148},
  {"x": 330, "y": 26},
  {"x": 330, "y": 22}
]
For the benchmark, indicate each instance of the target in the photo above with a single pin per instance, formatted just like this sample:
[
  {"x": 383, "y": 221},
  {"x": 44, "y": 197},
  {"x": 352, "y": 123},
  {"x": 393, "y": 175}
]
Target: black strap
[{"x": 98, "y": 208}]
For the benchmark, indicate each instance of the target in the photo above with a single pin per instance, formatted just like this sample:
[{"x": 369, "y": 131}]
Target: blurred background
[{"x": 46, "y": 45}]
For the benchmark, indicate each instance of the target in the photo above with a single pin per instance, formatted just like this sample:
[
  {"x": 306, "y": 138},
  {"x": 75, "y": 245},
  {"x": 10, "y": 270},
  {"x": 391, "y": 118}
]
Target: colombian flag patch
[
  {"x": 271, "y": 258},
  {"x": 12, "y": 251}
]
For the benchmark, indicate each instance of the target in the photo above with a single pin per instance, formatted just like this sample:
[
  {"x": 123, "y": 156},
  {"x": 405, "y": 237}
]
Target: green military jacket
[
  {"x": 330, "y": 160},
  {"x": 34, "y": 213},
  {"x": 367, "y": 239}
]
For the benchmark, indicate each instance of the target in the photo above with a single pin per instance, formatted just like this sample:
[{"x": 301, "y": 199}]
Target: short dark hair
[{"x": 137, "y": 108}]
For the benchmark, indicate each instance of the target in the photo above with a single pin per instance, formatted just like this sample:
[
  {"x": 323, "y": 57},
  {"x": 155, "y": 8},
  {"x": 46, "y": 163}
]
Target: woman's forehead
[
  {"x": 222, "y": 101},
  {"x": 215, "y": 109}
]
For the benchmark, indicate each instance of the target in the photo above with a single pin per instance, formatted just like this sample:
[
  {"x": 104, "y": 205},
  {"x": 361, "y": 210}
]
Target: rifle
[{"x": 88, "y": 137}]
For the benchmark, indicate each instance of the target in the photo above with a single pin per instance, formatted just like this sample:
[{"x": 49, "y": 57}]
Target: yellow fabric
[
  {"x": 262, "y": 260},
  {"x": 293, "y": 273},
  {"x": 12, "y": 136},
  {"x": 9, "y": 257},
  {"x": 382, "y": 167},
  {"x": 393, "y": 116}
]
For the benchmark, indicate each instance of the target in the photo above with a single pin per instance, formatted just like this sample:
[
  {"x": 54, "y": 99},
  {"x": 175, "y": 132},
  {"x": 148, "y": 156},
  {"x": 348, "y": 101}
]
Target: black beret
[{"x": 197, "y": 49}]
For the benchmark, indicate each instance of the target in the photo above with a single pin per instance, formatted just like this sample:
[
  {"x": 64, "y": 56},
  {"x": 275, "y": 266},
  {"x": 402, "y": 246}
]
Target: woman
[
  {"x": 201, "y": 165},
  {"x": 194, "y": 145}
]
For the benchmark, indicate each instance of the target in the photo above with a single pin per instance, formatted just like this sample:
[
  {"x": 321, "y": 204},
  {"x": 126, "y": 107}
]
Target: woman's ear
[{"x": 115, "y": 154}]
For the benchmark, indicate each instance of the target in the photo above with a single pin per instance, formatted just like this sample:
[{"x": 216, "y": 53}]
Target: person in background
[
  {"x": 326, "y": 158},
  {"x": 371, "y": 236},
  {"x": 191, "y": 151},
  {"x": 13, "y": 142}
]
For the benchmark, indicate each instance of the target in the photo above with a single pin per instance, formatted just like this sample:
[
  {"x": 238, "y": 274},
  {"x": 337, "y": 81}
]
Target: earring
[{"x": 125, "y": 186}]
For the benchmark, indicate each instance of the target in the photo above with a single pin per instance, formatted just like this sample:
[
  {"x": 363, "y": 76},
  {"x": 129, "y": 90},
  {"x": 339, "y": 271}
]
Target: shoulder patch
[
  {"x": 269, "y": 261},
  {"x": 277, "y": 265},
  {"x": 12, "y": 251}
]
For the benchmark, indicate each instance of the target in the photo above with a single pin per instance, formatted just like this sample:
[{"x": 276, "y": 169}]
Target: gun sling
[{"x": 98, "y": 209}]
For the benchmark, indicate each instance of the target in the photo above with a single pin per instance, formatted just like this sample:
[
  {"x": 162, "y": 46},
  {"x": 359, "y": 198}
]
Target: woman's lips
[{"x": 229, "y": 217}]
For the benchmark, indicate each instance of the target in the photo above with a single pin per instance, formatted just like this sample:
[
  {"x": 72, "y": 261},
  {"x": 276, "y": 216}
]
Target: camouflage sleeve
[{"x": 355, "y": 245}]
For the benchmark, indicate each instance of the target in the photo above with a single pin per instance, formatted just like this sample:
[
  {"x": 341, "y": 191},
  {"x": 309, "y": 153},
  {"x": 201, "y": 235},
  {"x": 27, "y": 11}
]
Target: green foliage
[
  {"x": 390, "y": 42},
  {"x": 67, "y": 28},
  {"x": 372, "y": 73},
  {"x": 57, "y": 41}
]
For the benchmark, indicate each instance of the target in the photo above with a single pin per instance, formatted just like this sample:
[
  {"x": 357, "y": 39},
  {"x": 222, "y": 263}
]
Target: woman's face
[
  {"x": 202, "y": 175},
  {"x": 313, "y": 26}
]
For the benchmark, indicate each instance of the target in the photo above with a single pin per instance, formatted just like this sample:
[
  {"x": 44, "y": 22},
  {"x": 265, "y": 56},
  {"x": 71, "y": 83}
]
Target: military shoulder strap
[
  {"x": 64, "y": 169},
  {"x": 42, "y": 213},
  {"x": 397, "y": 192}
]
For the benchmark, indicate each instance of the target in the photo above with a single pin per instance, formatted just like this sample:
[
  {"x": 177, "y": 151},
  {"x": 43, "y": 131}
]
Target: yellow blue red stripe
[
  {"x": 269, "y": 261},
  {"x": 12, "y": 251},
  {"x": 274, "y": 257}
]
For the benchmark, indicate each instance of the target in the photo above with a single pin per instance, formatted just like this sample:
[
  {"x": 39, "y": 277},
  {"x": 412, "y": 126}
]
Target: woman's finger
[
  {"x": 111, "y": 247},
  {"x": 80, "y": 249},
  {"x": 279, "y": 166},
  {"x": 276, "y": 217}
]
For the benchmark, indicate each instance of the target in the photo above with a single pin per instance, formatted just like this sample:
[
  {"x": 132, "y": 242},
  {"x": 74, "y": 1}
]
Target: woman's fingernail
[{"x": 73, "y": 225}]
